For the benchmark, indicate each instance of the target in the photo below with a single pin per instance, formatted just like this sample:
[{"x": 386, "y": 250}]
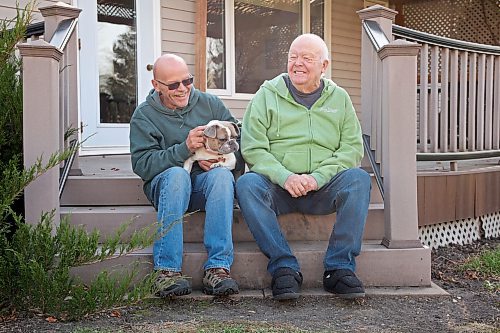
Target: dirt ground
[{"x": 469, "y": 307}]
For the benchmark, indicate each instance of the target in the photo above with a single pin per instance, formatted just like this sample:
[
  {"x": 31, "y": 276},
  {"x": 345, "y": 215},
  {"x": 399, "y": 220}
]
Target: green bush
[
  {"x": 36, "y": 261},
  {"x": 35, "y": 270},
  {"x": 11, "y": 89}
]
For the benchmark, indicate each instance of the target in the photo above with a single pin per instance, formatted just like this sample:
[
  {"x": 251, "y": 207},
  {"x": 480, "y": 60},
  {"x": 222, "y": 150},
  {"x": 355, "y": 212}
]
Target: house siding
[
  {"x": 178, "y": 29},
  {"x": 236, "y": 106},
  {"x": 345, "y": 48},
  {"x": 8, "y": 8}
]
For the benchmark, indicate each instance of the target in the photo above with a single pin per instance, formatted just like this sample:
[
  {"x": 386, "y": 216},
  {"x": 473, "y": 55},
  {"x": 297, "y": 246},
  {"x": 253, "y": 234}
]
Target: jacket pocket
[
  {"x": 296, "y": 161},
  {"x": 318, "y": 156}
]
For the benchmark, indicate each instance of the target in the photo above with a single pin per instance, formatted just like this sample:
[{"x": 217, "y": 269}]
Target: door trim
[{"x": 149, "y": 31}]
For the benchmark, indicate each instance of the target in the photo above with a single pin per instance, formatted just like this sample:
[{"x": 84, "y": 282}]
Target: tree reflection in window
[{"x": 117, "y": 60}]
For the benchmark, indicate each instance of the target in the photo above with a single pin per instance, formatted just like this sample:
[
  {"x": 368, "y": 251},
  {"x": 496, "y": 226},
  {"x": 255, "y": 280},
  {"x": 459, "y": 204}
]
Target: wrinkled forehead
[{"x": 305, "y": 46}]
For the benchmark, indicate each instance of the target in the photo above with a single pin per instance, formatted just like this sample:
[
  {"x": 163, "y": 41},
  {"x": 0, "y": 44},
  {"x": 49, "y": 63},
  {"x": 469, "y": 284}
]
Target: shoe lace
[
  {"x": 170, "y": 274},
  {"x": 216, "y": 275}
]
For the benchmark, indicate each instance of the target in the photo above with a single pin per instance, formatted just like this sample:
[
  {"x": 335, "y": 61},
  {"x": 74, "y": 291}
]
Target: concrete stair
[{"x": 105, "y": 201}]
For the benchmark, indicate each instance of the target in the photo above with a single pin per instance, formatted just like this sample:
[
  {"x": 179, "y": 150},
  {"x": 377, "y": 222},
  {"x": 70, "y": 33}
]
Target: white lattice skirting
[{"x": 460, "y": 232}]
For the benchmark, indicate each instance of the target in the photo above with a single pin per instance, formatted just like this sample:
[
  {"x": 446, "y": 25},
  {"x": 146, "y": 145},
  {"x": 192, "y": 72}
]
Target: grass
[
  {"x": 203, "y": 327},
  {"x": 486, "y": 266}
]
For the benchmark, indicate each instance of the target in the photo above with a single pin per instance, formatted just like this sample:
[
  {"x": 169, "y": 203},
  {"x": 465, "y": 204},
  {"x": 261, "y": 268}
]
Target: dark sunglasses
[{"x": 175, "y": 85}]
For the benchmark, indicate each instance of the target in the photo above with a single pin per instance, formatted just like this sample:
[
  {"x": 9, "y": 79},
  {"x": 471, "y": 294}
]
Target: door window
[{"x": 116, "y": 40}]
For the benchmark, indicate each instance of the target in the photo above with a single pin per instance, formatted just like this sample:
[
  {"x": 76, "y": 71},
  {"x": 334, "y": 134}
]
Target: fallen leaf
[
  {"x": 51, "y": 319},
  {"x": 116, "y": 314}
]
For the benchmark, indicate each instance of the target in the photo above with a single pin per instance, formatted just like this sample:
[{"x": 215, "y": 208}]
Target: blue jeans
[
  {"x": 173, "y": 194},
  {"x": 348, "y": 194}
]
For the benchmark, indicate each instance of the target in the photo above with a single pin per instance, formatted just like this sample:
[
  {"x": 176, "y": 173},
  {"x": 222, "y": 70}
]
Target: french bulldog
[{"x": 220, "y": 144}]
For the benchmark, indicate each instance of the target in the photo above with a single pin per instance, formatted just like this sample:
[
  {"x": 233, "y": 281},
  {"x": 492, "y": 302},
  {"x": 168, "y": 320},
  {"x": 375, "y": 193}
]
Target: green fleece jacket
[
  {"x": 280, "y": 137},
  {"x": 158, "y": 134}
]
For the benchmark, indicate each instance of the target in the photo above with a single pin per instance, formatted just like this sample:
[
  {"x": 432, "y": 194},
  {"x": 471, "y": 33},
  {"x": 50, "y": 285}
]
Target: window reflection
[
  {"x": 263, "y": 33},
  {"x": 116, "y": 39},
  {"x": 216, "y": 45},
  {"x": 317, "y": 17}
]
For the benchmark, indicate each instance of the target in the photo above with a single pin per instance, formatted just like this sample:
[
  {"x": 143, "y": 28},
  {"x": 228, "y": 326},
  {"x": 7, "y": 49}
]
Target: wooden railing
[
  {"x": 388, "y": 107},
  {"x": 458, "y": 97},
  {"x": 423, "y": 97},
  {"x": 50, "y": 102}
]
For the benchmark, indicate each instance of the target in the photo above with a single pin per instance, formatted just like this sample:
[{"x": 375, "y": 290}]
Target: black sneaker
[
  {"x": 344, "y": 283},
  {"x": 286, "y": 284},
  {"x": 218, "y": 282},
  {"x": 170, "y": 284}
]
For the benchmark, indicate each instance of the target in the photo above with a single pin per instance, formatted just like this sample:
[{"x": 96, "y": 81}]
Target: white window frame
[{"x": 230, "y": 91}]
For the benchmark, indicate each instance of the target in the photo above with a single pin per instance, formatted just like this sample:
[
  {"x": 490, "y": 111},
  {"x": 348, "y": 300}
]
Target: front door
[{"x": 118, "y": 40}]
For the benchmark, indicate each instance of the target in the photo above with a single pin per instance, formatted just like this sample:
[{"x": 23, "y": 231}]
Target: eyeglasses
[{"x": 172, "y": 86}]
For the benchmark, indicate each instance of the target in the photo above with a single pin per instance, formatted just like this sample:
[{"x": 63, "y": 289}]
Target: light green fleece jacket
[{"x": 281, "y": 137}]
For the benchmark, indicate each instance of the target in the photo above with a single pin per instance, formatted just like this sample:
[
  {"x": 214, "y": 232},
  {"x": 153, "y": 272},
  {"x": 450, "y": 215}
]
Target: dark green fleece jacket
[
  {"x": 280, "y": 137},
  {"x": 158, "y": 134}
]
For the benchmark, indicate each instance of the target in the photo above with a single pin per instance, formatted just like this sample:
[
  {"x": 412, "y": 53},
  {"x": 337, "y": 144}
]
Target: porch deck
[{"x": 120, "y": 166}]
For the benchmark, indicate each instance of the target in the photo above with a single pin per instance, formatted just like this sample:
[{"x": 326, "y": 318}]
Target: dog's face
[{"x": 220, "y": 136}]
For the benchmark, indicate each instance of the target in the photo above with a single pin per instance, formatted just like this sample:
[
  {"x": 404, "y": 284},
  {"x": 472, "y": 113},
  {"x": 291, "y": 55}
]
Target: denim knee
[
  {"x": 221, "y": 174},
  {"x": 174, "y": 181},
  {"x": 248, "y": 182},
  {"x": 360, "y": 179}
]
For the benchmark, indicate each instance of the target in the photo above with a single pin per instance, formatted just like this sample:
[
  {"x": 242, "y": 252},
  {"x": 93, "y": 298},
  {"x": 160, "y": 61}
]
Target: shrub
[{"x": 36, "y": 260}]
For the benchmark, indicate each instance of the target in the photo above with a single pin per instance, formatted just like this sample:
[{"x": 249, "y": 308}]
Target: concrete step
[
  {"x": 295, "y": 226},
  {"x": 376, "y": 265},
  {"x": 125, "y": 190}
]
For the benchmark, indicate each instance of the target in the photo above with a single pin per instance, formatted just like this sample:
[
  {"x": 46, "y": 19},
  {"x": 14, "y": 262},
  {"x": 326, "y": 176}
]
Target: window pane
[
  {"x": 317, "y": 17},
  {"x": 264, "y": 30},
  {"x": 116, "y": 38},
  {"x": 216, "y": 45}
]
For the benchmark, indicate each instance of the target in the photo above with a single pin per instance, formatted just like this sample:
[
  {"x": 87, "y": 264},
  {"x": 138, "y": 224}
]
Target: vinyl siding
[
  {"x": 346, "y": 48},
  {"x": 236, "y": 106},
  {"x": 8, "y": 8},
  {"x": 178, "y": 29}
]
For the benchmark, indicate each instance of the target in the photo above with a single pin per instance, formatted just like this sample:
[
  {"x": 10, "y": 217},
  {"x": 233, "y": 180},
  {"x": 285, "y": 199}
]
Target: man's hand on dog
[
  {"x": 195, "y": 139},
  {"x": 206, "y": 164}
]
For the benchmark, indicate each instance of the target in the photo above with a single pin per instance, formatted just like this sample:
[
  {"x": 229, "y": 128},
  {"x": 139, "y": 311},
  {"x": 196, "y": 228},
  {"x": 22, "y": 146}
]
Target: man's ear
[
  {"x": 210, "y": 131},
  {"x": 155, "y": 86},
  {"x": 324, "y": 66}
]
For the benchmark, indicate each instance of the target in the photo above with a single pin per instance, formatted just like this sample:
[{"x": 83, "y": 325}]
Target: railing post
[
  {"x": 382, "y": 15},
  {"x": 53, "y": 14},
  {"x": 41, "y": 124},
  {"x": 399, "y": 109},
  {"x": 371, "y": 70}
]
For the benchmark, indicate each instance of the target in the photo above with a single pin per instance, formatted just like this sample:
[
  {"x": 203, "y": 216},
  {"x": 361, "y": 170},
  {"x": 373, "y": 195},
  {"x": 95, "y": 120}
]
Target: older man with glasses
[
  {"x": 302, "y": 141},
  {"x": 165, "y": 130}
]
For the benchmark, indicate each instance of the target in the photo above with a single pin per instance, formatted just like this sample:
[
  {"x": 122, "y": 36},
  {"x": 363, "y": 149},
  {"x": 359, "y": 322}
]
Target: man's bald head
[
  {"x": 307, "y": 62},
  {"x": 315, "y": 40},
  {"x": 166, "y": 63}
]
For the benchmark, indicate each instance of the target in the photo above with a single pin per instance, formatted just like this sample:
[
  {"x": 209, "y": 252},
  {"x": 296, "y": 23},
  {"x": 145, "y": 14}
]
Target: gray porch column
[
  {"x": 382, "y": 15},
  {"x": 370, "y": 72},
  {"x": 53, "y": 14},
  {"x": 41, "y": 124},
  {"x": 399, "y": 109}
]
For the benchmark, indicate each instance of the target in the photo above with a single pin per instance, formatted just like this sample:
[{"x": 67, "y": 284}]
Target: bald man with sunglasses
[{"x": 165, "y": 131}]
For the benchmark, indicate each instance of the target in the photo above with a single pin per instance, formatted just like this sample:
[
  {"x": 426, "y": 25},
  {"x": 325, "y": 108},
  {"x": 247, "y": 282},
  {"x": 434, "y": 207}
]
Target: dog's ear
[
  {"x": 235, "y": 130},
  {"x": 210, "y": 131}
]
